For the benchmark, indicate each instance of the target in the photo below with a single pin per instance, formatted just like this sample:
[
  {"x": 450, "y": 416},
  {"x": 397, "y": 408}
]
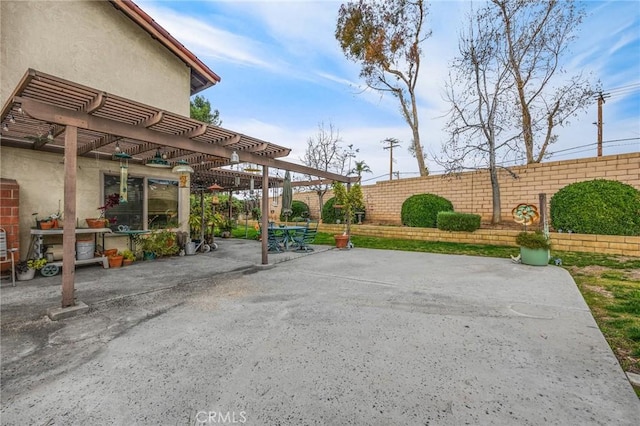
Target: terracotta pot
[
  {"x": 96, "y": 223},
  {"x": 115, "y": 261},
  {"x": 127, "y": 262},
  {"x": 111, "y": 252},
  {"x": 341, "y": 240},
  {"x": 46, "y": 225}
]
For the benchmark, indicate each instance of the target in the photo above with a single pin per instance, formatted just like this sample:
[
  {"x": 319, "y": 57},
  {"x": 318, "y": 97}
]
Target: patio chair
[
  {"x": 274, "y": 240},
  {"x": 306, "y": 237},
  {"x": 6, "y": 255}
]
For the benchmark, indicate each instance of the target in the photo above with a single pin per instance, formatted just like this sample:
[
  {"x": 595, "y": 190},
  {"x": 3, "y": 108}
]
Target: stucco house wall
[
  {"x": 94, "y": 44},
  {"x": 91, "y": 43},
  {"x": 41, "y": 180}
]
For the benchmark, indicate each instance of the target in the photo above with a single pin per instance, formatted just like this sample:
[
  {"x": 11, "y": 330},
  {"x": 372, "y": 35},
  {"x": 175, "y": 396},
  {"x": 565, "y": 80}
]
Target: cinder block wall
[
  {"x": 470, "y": 192},
  {"x": 10, "y": 215}
]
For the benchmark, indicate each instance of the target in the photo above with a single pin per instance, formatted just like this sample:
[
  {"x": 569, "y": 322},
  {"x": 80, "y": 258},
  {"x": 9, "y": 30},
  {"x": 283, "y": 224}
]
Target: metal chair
[
  {"x": 6, "y": 255},
  {"x": 306, "y": 237}
]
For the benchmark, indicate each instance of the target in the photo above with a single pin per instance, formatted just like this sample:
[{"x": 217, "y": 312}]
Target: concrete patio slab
[{"x": 336, "y": 337}]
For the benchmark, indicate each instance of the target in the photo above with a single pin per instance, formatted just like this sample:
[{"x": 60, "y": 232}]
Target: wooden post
[
  {"x": 69, "y": 232},
  {"x": 600, "y": 103},
  {"x": 265, "y": 218},
  {"x": 542, "y": 200}
]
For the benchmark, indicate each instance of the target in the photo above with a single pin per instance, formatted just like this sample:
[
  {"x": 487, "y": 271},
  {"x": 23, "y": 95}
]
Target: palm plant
[{"x": 360, "y": 168}]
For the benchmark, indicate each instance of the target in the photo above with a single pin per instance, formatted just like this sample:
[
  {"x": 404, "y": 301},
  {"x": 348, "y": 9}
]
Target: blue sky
[{"x": 283, "y": 73}]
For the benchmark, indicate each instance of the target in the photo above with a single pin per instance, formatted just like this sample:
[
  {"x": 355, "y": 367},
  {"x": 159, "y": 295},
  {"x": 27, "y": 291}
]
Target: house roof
[{"x": 202, "y": 77}]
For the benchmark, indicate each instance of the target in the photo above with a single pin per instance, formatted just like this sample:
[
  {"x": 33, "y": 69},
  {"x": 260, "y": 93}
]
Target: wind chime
[
  {"x": 252, "y": 169},
  {"x": 124, "y": 173},
  {"x": 274, "y": 203}
]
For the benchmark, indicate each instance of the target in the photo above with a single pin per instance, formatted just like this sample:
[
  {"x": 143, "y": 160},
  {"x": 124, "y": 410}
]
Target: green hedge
[
  {"x": 298, "y": 208},
  {"x": 597, "y": 207},
  {"x": 329, "y": 213},
  {"x": 422, "y": 210},
  {"x": 453, "y": 221}
]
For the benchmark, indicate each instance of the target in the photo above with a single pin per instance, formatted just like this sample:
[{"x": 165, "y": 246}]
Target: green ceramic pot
[{"x": 534, "y": 257}]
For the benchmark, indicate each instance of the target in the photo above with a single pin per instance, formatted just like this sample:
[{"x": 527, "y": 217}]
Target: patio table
[{"x": 288, "y": 232}]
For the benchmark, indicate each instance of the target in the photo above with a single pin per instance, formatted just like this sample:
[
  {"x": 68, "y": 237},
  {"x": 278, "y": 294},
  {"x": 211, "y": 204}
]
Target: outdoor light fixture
[
  {"x": 124, "y": 175},
  {"x": 214, "y": 198},
  {"x": 237, "y": 180},
  {"x": 158, "y": 161},
  {"x": 50, "y": 134},
  {"x": 117, "y": 148},
  {"x": 235, "y": 158},
  {"x": 183, "y": 168},
  {"x": 11, "y": 119},
  {"x": 5, "y": 127}
]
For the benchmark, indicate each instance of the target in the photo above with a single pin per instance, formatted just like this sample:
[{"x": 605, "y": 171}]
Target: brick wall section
[
  {"x": 10, "y": 214},
  {"x": 606, "y": 244},
  {"x": 470, "y": 192}
]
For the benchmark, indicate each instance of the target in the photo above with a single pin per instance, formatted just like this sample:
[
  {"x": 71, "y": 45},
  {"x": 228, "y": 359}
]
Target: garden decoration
[
  {"x": 525, "y": 214},
  {"x": 534, "y": 246}
]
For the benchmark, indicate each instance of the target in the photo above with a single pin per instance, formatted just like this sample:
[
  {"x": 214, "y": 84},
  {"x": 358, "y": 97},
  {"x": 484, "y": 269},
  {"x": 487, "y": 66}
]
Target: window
[{"x": 162, "y": 204}]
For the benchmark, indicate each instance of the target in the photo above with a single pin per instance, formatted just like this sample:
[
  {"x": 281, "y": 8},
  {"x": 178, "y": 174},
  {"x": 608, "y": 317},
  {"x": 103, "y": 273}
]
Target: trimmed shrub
[
  {"x": 453, "y": 221},
  {"x": 597, "y": 207},
  {"x": 328, "y": 212},
  {"x": 422, "y": 210},
  {"x": 298, "y": 208}
]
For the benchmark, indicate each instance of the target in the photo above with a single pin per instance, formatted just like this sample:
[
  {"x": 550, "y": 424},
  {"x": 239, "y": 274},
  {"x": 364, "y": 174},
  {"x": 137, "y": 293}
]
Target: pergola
[{"x": 47, "y": 113}]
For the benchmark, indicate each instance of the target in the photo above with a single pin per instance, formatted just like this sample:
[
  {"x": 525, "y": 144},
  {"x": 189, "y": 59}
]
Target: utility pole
[
  {"x": 601, "y": 101},
  {"x": 391, "y": 143}
]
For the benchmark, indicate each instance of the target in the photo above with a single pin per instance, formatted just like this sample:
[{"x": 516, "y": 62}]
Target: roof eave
[{"x": 146, "y": 22}]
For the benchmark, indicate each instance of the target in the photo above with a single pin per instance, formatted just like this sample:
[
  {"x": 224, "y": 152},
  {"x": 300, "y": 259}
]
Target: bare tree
[
  {"x": 534, "y": 36},
  {"x": 384, "y": 36},
  {"x": 324, "y": 152},
  {"x": 478, "y": 90}
]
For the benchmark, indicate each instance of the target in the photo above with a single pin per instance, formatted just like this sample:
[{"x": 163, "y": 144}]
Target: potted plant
[
  {"x": 128, "y": 257},
  {"x": 157, "y": 244},
  {"x": 102, "y": 222},
  {"x": 226, "y": 227},
  {"x": 349, "y": 201},
  {"x": 534, "y": 248},
  {"x": 115, "y": 260},
  {"x": 26, "y": 269}
]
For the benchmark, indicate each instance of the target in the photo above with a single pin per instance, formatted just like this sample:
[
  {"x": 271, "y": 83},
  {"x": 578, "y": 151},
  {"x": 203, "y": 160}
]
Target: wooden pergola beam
[{"x": 66, "y": 117}]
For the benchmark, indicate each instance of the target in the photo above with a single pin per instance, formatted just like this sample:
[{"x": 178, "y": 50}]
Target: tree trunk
[
  {"x": 321, "y": 204},
  {"x": 495, "y": 189}
]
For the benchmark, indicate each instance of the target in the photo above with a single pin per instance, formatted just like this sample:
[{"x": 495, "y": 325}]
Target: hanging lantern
[
  {"x": 251, "y": 185},
  {"x": 124, "y": 175},
  {"x": 183, "y": 168},
  {"x": 237, "y": 181},
  {"x": 214, "y": 189}
]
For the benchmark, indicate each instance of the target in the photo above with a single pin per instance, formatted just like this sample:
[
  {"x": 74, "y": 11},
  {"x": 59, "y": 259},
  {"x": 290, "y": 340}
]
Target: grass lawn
[{"x": 609, "y": 284}]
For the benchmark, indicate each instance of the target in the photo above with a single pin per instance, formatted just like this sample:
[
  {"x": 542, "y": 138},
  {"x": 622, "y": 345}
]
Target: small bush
[
  {"x": 453, "y": 221},
  {"x": 422, "y": 210},
  {"x": 533, "y": 240},
  {"x": 597, "y": 207},
  {"x": 328, "y": 211},
  {"x": 298, "y": 209}
]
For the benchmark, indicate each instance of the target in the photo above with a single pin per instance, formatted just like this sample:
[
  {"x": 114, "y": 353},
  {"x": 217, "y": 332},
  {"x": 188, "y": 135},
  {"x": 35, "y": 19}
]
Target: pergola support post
[
  {"x": 265, "y": 217},
  {"x": 69, "y": 232}
]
